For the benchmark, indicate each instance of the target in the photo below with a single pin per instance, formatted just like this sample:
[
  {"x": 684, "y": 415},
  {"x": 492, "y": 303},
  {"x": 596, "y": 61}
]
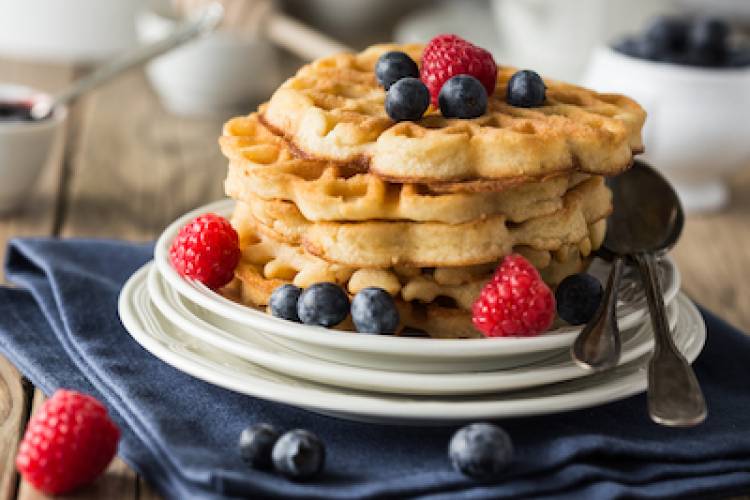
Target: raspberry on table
[
  {"x": 516, "y": 302},
  {"x": 446, "y": 56},
  {"x": 207, "y": 250},
  {"x": 68, "y": 443}
]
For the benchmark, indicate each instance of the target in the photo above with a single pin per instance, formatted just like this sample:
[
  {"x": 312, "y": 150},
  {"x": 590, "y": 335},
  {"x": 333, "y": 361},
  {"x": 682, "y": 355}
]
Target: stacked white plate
[{"x": 388, "y": 378}]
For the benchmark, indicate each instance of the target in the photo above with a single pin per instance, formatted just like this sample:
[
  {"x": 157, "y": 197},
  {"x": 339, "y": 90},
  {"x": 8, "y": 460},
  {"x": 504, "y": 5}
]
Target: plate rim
[
  {"x": 386, "y": 408},
  {"x": 364, "y": 378}
]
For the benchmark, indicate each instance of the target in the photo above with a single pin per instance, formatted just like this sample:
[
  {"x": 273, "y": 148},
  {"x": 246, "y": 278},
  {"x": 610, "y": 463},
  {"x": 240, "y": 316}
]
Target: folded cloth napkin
[{"x": 60, "y": 327}]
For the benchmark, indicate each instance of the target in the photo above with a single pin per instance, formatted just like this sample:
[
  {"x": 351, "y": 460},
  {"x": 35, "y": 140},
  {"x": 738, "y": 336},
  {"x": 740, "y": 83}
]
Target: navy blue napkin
[{"x": 60, "y": 327}]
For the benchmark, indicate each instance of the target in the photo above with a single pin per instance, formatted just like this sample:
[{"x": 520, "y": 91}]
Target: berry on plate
[
  {"x": 393, "y": 66},
  {"x": 283, "y": 302},
  {"x": 578, "y": 297},
  {"x": 374, "y": 311},
  {"x": 667, "y": 33},
  {"x": 481, "y": 451},
  {"x": 323, "y": 304},
  {"x": 707, "y": 41},
  {"x": 463, "y": 96},
  {"x": 407, "y": 100},
  {"x": 67, "y": 444},
  {"x": 526, "y": 89},
  {"x": 256, "y": 444},
  {"x": 207, "y": 250},
  {"x": 299, "y": 455},
  {"x": 515, "y": 302},
  {"x": 446, "y": 56}
]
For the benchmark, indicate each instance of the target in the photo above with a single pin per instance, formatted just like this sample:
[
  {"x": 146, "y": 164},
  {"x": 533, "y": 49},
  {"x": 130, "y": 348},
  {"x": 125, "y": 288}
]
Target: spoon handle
[
  {"x": 598, "y": 345},
  {"x": 674, "y": 395},
  {"x": 204, "y": 23}
]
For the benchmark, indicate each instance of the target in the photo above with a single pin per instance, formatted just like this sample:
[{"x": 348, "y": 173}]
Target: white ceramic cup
[
  {"x": 25, "y": 147},
  {"x": 219, "y": 74},
  {"x": 697, "y": 127}
]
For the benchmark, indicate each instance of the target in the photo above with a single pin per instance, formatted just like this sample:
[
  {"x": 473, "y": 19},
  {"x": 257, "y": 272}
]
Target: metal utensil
[
  {"x": 647, "y": 221},
  {"x": 208, "y": 19}
]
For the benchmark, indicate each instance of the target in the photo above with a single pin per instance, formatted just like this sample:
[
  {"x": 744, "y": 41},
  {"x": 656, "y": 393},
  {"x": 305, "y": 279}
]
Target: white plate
[
  {"x": 390, "y": 352},
  {"x": 213, "y": 365},
  {"x": 196, "y": 322}
]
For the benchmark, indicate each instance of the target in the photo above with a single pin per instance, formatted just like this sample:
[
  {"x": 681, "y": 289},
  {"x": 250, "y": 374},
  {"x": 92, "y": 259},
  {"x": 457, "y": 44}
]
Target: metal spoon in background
[
  {"x": 647, "y": 221},
  {"x": 204, "y": 23}
]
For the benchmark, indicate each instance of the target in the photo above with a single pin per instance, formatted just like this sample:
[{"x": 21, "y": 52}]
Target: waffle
[
  {"x": 263, "y": 166},
  {"x": 426, "y": 244},
  {"x": 333, "y": 109},
  {"x": 436, "y": 300}
]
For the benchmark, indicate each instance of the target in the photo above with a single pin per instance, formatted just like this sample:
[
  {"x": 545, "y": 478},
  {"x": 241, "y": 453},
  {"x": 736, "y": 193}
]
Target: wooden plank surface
[
  {"x": 714, "y": 256},
  {"x": 35, "y": 217}
]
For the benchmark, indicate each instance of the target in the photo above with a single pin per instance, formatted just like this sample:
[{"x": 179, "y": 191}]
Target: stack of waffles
[{"x": 329, "y": 188}]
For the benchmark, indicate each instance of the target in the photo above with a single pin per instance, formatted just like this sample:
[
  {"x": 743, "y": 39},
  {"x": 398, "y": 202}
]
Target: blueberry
[
  {"x": 708, "y": 41},
  {"x": 739, "y": 57},
  {"x": 407, "y": 99},
  {"x": 667, "y": 33},
  {"x": 256, "y": 443},
  {"x": 283, "y": 302},
  {"x": 393, "y": 66},
  {"x": 578, "y": 297},
  {"x": 526, "y": 89},
  {"x": 373, "y": 311},
  {"x": 324, "y": 304},
  {"x": 463, "y": 96},
  {"x": 481, "y": 451},
  {"x": 299, "y": 455}
]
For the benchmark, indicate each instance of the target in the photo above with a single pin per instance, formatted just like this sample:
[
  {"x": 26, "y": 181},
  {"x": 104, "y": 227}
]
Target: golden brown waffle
[
  {"x": 333, "y": 109},
  {"x": 436, "y": 300},
  {"x": 263, "y": 166},
  {"x": 426, "y": 244}
]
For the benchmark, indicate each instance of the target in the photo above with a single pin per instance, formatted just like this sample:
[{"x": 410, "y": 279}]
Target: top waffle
[{"x": 333, "y": 109}]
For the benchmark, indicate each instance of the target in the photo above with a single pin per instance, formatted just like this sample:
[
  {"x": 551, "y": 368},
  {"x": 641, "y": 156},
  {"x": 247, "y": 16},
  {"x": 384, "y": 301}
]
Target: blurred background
[{"x": 237, "y": 67}]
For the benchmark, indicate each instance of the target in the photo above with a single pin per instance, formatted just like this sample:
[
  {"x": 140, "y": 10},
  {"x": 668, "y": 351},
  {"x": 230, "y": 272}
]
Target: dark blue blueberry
[
  {"x": 374, "y": 311},
  {"x": 256, "y": 444},
  {"x": 526, "y": 89},
  {"x": 283, "y": 302},
  {"x": 299, "y": 455},
  {"x": 393, "y": 66},
  {"x": 324, "y": 304},
  {"x": 481, "y": 451},
  {"x": 667, "y": 34},
  {"x": 640, "y": 48},
  {"x": 463, "y": 96},
  {"x": 578, "y": 297},
  {"x": 707, "y": 42},
  {"x": 739, "y": 57},
  {"x": 407, "y": 100}
]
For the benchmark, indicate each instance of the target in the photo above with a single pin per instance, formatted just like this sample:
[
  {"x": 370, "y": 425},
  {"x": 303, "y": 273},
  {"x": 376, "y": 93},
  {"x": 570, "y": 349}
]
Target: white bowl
[
  {"x": 697, "y": 128},
  {"x": 379, "y": 351},
  {"x": 25, "y": 146},
  {"x": 219, "y": 74},
  {"x": 70, "y": 30}
]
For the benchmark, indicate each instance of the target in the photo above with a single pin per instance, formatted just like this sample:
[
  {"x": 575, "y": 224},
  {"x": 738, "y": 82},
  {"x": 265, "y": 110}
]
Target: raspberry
[
  {"x": 206, "y": 249},
  {"x": 516, "y": 302},
  {"x": 68, "y": 443},
  {"x": 449, "y": 55}
]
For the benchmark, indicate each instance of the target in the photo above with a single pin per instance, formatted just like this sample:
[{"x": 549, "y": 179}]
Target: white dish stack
[{"x": 388, "y": 378}]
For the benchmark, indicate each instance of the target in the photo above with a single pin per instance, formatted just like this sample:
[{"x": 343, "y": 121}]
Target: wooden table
[{"x": 128, "y": 168}]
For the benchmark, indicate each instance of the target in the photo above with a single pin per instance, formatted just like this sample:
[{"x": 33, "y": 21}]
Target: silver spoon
[
  {"x": 204, "y": 23},
  {"x": 647, "y": 221}
]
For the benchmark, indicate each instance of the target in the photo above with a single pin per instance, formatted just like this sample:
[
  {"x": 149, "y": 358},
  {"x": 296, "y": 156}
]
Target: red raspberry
[
  {"x": 516, "y": 302},
  {"x": 449, "y": 55},
  {"x": 206, "y": 249},
  {"x": 68, "y": 443}
]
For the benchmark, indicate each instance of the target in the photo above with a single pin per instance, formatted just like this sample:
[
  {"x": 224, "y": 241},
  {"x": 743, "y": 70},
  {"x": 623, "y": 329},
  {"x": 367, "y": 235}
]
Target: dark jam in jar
[{"x": 15, "y": 111}]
